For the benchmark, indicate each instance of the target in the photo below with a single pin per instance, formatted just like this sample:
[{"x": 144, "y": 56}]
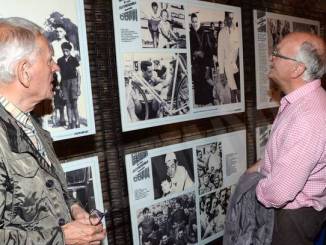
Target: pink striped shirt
[{"x": 295, "y": 155}]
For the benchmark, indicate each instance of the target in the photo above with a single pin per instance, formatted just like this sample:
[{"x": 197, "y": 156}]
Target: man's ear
[
  {"x": 23, "y": 74},
  {"x": 298, "y": 70}
]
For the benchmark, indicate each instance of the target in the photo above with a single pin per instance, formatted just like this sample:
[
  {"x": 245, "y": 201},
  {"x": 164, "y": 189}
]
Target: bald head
[
  {"x": 17, "y": 41},
  {"x": 309, "y": 49}
]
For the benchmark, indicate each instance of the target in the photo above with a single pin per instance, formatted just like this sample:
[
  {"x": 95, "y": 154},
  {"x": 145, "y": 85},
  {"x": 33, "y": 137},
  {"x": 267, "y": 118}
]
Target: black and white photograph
[
  {"x": 70, "y": 113},
  {"x": 169, "y": 222},
  {"x": 156, "y": 85},
  {"x": 215, "y": 40},
  {"x": 262, "y": 136},
  {"x": 162, "y": 25},
  {"x": 173, "y": 172},
  {"x": 84, "y": 183},
  {"x": 161, "y": 179},
  {"x": 276, "y": 30},
  {"x": 303, "y": 27},
  {"x": 209, "y": 167},
  {"x": 212, "y": 212},
  {"x": 186, "y": 84},
  {"x": 270, "y": 28}
]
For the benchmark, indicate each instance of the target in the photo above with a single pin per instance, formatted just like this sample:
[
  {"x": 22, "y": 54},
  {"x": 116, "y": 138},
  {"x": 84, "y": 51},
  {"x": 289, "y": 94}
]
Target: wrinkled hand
[
  {"x": 76, "y": 233},
  {"x": 79, "y": 214}
]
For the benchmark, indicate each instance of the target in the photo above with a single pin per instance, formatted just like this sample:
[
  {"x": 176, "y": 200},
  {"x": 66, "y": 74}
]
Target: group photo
[
  {"x": 209, "y": 167},
  {"x": 169, "y": 222},
  {"x": 213, "y": 209}
]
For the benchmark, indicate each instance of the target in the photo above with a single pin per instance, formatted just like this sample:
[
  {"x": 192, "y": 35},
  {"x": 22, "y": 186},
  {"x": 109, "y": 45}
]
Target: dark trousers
[{"x": 297, "y": 226}]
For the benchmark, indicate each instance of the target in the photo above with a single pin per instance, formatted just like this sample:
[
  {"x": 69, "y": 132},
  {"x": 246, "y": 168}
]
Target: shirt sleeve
[{"x": 297, "y": 152}]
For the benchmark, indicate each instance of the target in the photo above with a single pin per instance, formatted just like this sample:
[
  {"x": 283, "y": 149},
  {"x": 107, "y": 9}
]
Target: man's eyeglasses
[
  {"x": 96, "y": 216},
  {"x": 277, "y": 54}
]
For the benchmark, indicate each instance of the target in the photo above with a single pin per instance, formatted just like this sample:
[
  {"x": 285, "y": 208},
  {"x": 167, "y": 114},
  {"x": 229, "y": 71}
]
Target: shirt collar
[
  {"x": 301, "y": 92},
  {"x": 22, "y": 117}
]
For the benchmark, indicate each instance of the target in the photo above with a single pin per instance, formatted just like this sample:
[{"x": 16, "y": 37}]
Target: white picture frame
[
  {"x": 172, "y": 93},
  {"x": 154, "y": 192},
  {"x": 84, "y": 183},
  {"x": 69, "y": 16},
  {"x": 269, "y": 29}
]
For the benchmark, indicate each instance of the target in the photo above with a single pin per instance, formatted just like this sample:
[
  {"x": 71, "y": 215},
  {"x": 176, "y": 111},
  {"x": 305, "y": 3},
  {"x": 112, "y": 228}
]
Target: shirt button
[
  {"x": 61, "y": 222},
  {"x": 49, "y": 183}
]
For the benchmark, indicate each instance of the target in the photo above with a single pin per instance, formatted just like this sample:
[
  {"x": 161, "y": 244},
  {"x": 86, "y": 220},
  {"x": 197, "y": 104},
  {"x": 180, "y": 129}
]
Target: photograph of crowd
[
  {"x": 214, "y": 47},
  {"x": 169, "y": 222},
  {"x": 162, "y": 25},
  {"x": 209, "y": 167},
  {"x": 156, "y": 85},
  {"x": 213, "y": 208},
  {"x": 172, "y": 172}
]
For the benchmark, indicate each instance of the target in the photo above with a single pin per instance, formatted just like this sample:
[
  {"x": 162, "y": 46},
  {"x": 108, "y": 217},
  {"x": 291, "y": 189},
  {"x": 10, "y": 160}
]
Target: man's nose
[{"x": 55, "y": 67}]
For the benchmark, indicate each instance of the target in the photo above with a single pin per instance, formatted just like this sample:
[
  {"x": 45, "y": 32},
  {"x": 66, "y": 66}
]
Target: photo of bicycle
[{"x": 156, "y": 85}]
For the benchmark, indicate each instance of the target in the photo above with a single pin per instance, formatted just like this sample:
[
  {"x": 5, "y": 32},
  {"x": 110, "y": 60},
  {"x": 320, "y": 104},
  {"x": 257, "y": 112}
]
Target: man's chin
[{"x": 271, "y": 76}]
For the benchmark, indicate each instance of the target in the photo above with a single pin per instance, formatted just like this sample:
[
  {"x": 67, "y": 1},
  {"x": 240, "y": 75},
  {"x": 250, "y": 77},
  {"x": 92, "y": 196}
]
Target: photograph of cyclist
[
  {"x": 162, "y": 25},
  {"x": 156, "y": 87}
]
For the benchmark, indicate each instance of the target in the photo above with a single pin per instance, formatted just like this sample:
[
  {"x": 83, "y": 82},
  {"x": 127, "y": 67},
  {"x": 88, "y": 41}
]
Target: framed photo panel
[
  {"x": 269, "y": 29},
  {"x": 84, "y": 183},
  {"x": 179, "y": 193},
  {"x": 177, "y": 61},
  {"x": 70, "y": 114}
]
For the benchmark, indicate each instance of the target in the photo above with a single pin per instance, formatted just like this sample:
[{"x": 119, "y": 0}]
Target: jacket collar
[{"x": 19, "y": 142}]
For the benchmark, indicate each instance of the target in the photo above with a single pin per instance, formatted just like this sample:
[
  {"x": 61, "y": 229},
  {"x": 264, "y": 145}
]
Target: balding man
[
  {"x": 35, "y": 206},
  {"x": 295, "y": 155}
]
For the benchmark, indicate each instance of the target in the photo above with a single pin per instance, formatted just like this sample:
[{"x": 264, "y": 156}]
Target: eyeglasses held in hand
[{"x": 96, "y": 216}]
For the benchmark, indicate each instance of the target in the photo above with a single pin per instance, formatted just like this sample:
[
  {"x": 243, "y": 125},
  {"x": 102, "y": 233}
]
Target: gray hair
[
  {"x": 17, "y": 41},
  {"x": 314, "y": 62}
]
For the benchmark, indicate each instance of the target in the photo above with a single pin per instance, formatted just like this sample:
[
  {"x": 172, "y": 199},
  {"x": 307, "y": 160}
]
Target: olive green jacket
[{"x": 34, "y": 201}]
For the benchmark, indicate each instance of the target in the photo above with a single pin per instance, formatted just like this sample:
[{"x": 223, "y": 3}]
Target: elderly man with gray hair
[
  {"x": 294, "y": 162},
  {"x": 35, "y": 205}
]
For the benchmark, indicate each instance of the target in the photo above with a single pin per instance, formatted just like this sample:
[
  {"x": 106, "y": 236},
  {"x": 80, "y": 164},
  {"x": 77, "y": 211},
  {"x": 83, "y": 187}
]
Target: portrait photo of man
[{"x": 172, "y": 172}]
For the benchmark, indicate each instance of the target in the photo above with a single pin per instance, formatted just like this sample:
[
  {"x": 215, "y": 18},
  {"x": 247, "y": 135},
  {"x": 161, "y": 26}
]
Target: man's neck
[{"x": 21, "y": 102}]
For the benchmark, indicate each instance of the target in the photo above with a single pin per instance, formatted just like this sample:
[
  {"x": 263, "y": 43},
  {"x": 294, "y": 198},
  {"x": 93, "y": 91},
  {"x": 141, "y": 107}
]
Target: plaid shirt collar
[{"x": 24, "y": 120}]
